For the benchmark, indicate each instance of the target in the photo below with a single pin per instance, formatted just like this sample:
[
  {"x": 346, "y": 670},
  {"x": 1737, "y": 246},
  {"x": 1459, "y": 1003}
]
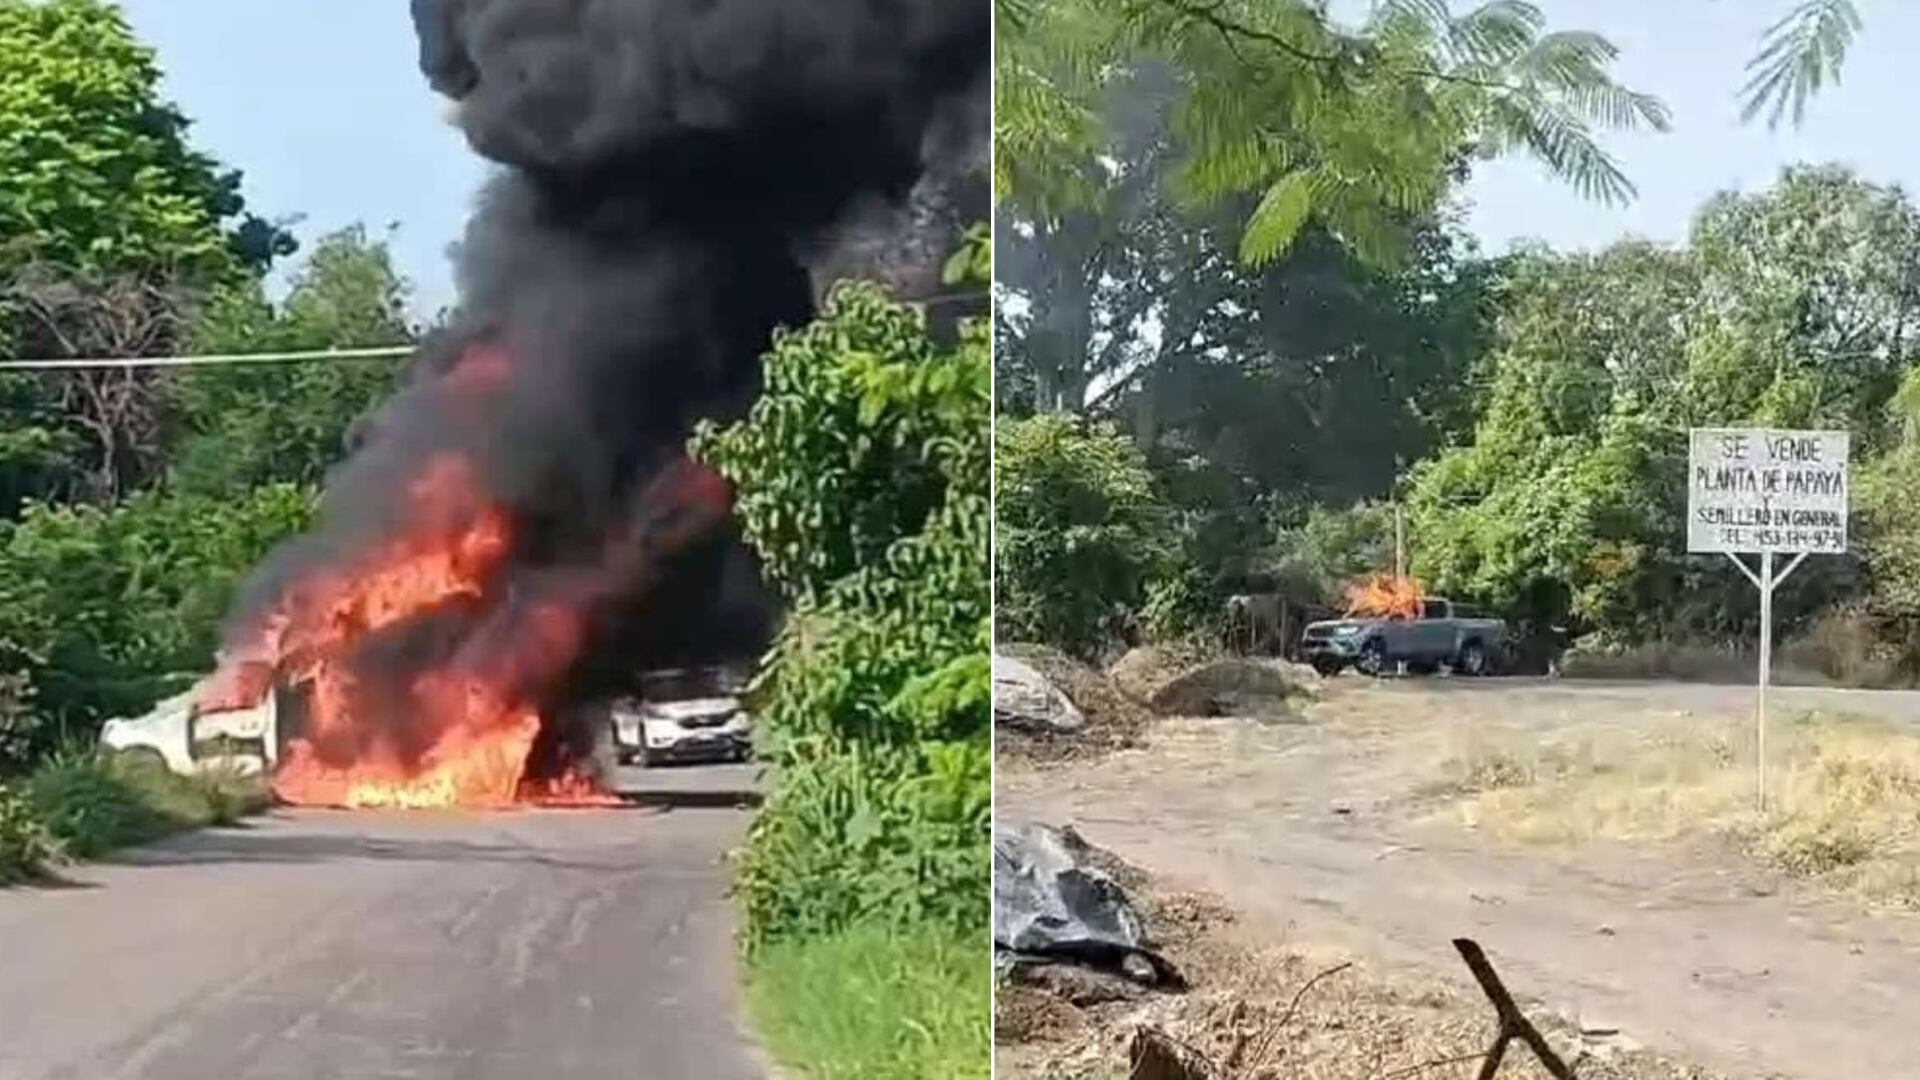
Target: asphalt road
[{"x": 394, "y": 946}]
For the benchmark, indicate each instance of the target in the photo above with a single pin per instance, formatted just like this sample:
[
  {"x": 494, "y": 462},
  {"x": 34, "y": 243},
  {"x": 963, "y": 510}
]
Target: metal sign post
[{"x": 1766, "y": 492}]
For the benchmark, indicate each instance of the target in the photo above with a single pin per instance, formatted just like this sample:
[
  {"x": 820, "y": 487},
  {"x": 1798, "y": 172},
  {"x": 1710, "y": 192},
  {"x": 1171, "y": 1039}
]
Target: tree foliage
[
  {"x": 104, "y": 609},
  {"x": 862, "y": 474},
  {"x": 1350, "y": 128},
  {"x": 237, "y": 427},
  {"x": 1791, "y": 307},
  {"x": 95, "y": 170},
  {"x": 1079, "y": 531}
]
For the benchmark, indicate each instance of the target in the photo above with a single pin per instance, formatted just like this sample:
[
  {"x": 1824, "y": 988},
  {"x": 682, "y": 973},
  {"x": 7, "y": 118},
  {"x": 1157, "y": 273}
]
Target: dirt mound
[
  {"x": 1177, "y": 682},
  {"x": 1112, "y": 720},
  {"x": 1145, "y": 669},
  {"x": 1258, "y": 1008}
]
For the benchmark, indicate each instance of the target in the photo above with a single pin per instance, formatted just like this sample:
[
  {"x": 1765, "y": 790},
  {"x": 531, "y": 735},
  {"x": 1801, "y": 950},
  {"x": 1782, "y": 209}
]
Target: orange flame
[
  {"x": 1384, "y": 596},
  {"x": 461, "y": 734}
]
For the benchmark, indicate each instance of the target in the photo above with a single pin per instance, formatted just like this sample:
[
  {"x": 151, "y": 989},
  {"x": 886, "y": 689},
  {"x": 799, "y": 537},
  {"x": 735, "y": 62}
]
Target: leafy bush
[
  {"x": 18, "y": 722},
  {"x": 862, "y": 476},
  {"x": 99, "y": 607},
  {"x": 1078, "y": 531},
  {"x": 26, "y": 847}
]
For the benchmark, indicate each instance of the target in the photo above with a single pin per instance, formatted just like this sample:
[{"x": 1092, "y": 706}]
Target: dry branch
[{"x": 1513, "y": 1024}]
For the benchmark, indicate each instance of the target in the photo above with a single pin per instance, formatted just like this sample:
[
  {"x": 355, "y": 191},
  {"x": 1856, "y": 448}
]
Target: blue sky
[
  {"x": 1692, "y": 53},
  {"x": 319, "y": 102}
]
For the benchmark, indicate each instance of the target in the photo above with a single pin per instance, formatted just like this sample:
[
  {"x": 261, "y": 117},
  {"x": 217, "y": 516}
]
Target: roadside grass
[
  {"x": 873, "y": 1003},
  {"x": 1843, "y": 796},
  {"x": 82, "y": 804}
]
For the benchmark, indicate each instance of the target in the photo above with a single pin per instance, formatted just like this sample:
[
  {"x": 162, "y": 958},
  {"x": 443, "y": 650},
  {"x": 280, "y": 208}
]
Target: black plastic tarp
[{"x": 1050, "y": 905}]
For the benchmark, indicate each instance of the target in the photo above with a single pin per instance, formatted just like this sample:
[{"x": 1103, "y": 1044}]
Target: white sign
[{"x": 1761, "y": 490}]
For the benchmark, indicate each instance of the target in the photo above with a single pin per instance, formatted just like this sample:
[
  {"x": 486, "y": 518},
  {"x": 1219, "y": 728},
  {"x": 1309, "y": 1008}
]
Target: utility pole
[
  {"x": 1399, "y": 542},
  {"x": 1399, "y": 524}
]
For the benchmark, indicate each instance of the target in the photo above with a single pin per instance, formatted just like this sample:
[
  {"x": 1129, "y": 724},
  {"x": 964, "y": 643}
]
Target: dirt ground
[
  {"x": 1342, "y": 827},
  {"x": 1259, "y": 1006}
]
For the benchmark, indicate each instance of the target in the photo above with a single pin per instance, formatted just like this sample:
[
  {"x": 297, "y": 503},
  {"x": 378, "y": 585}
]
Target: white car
[
  {"x": 242, "y": 740},
  {"x": 683, "y": 715}
]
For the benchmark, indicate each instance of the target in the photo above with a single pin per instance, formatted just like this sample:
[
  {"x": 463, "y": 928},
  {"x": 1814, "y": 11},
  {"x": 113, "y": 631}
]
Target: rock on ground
[{"x": 1025, "y": 699}]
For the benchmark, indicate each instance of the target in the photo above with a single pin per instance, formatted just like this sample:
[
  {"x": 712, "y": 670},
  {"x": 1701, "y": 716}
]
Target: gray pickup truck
[{"x": 1445, "y": 634}]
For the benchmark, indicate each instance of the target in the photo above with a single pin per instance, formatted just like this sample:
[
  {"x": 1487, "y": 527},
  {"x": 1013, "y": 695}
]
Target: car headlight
[{"x": 1346, "y": 631}]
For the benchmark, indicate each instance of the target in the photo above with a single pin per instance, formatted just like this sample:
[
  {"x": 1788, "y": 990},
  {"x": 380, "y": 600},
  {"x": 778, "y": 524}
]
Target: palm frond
[
  {"x": 1565, "y": 145},
  {"x": 1495, "y": 33},
  {"x": 1799, "y": 55}
]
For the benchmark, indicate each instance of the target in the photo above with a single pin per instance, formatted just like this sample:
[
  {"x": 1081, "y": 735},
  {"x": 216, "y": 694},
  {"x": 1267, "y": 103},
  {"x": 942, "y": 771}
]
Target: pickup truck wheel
[
  {"x": 1472, "y": 660},
  {"x": 1373, "y": 658},
  {"x": 1327, "y": 667}
]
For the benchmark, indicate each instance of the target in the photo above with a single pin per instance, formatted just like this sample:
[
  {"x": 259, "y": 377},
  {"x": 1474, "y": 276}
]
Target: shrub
[
  {"x": 18, "y": 722},
  {"x": 1078, "y": 532},
  {"x": 862, "y": 474},
  {"x": 100, "y": 606},
  {"x": 26, "y": 847}
]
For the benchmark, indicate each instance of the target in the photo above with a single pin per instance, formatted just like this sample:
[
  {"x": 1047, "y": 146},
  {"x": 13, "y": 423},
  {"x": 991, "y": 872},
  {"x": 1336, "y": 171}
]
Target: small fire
[
  {"x": 422, "y": 672},
  {"x": 1384, "y": 596}
]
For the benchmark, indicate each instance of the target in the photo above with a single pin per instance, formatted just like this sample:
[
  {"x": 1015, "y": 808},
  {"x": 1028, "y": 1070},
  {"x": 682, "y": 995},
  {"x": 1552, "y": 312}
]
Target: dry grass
[
  {"x": 1840, "y": 648},
  {"x": 1844, "y": 796}
]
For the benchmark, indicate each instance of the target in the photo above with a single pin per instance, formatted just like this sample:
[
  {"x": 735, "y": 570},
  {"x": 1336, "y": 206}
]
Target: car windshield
[{"x": 680, "y": 685}]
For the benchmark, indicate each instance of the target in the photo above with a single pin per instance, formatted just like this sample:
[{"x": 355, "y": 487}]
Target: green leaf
[{"x": 1278, "y": 219}]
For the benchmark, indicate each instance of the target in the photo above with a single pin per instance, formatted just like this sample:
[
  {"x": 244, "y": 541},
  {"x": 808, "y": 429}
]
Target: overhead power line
[
  {"x": 388, "y": 352},
  {"x": 212, "y": 360}
]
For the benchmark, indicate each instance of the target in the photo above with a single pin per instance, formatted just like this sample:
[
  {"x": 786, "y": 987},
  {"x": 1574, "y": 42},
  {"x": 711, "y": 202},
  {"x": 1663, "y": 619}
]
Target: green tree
[
  {"x": 1079, "y": 531},
  {"x": 862, "y": 476},
  {"x": 241, "y": 426},
  {"x": 112, "y": 230},
  {"x": 96, "y": 173},
  {"x": 1790, "y": 307},
  {"x": 103, "y": 608},
  {"x": 1352, "y": 128}
]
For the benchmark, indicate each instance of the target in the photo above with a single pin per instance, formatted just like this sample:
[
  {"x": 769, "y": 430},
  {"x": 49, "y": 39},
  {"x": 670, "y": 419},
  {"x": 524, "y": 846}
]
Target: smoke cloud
[{"x": 679, "y": 177}]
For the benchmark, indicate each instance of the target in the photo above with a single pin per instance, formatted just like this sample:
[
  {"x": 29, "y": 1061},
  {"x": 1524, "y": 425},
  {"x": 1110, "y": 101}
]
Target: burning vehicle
[
  {"x": 1389, "y": 623},
  {"x": 181, "y": 738},
  {"x": 521, "y": 514}
]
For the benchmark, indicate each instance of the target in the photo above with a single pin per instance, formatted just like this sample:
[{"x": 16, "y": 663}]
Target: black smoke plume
[{"x": 679, "y": 174}]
